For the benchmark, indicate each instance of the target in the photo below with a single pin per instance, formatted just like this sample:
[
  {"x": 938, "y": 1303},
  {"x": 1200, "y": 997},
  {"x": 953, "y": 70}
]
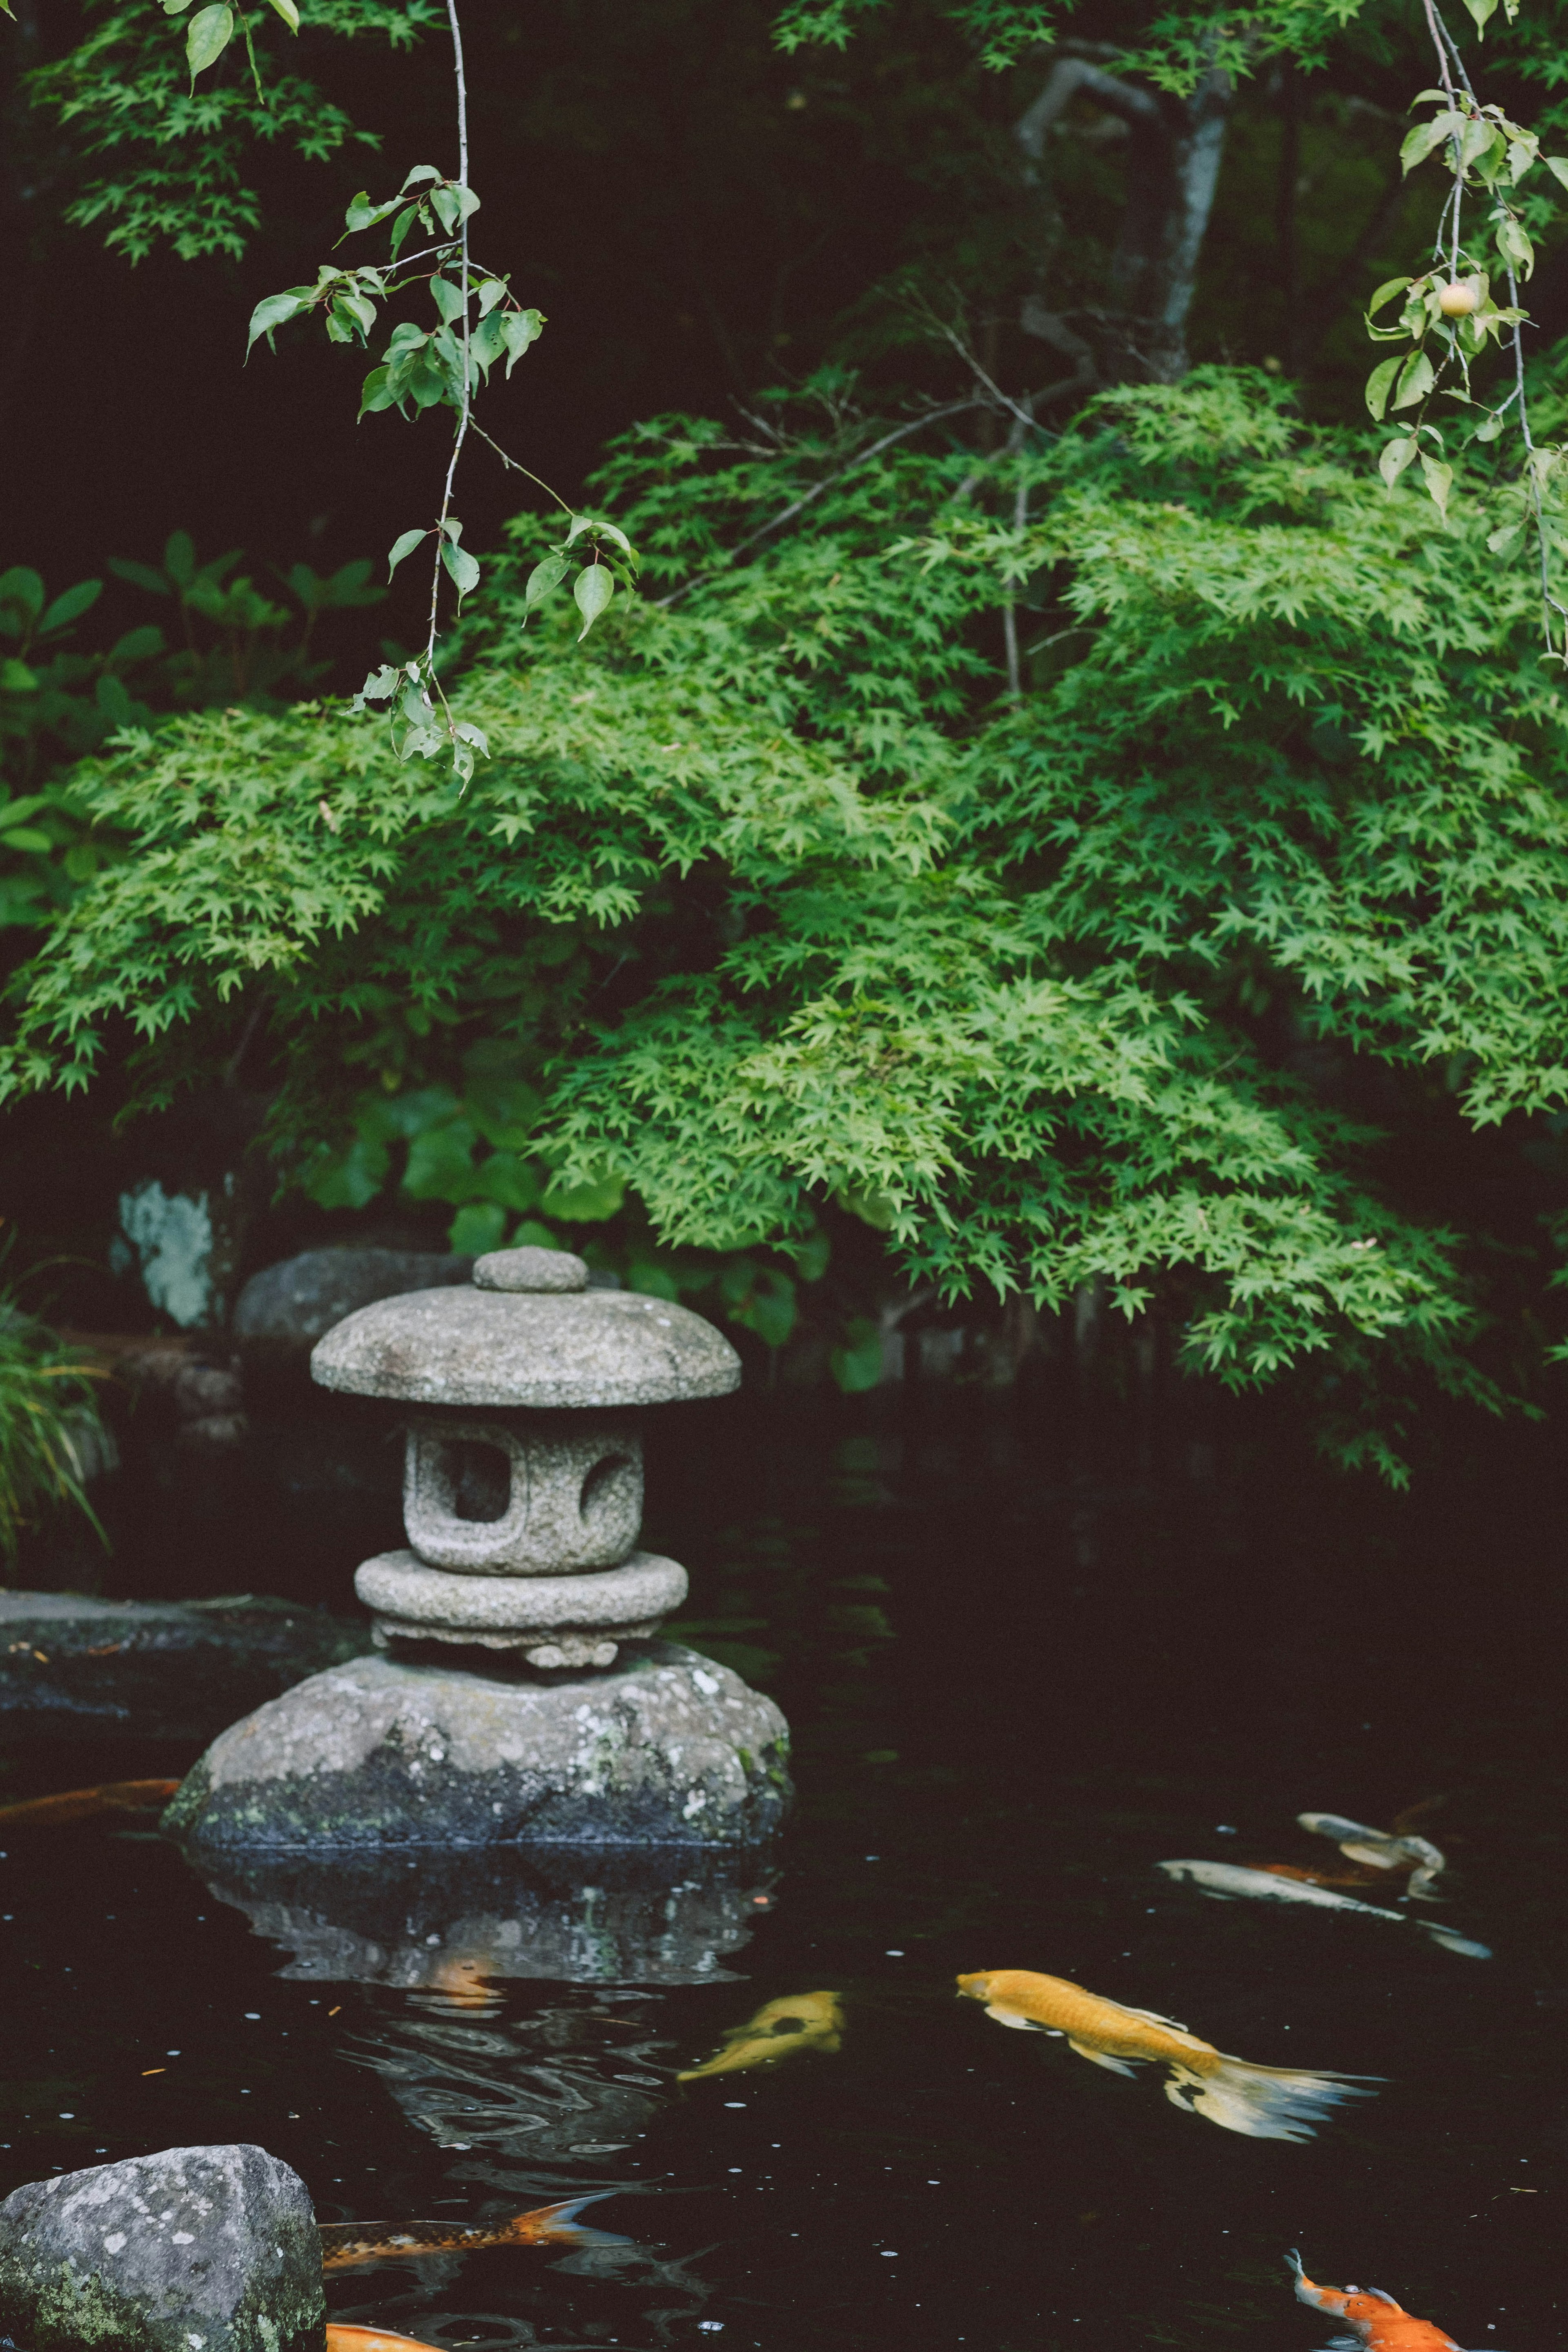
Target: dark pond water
[{"x": 1019, "y": 1676}]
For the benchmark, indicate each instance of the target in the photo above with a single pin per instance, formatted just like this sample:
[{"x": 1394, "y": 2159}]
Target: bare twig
[
  {"x": 798, "y": 506},
  {"x": 463, "y": 413},
  {"x": 1025, "y": 416}
]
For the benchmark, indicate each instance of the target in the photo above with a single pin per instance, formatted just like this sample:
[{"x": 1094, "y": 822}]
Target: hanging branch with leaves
[
  {"x": 478, "y": 321},
  {"x": 1449, "y": 316}
]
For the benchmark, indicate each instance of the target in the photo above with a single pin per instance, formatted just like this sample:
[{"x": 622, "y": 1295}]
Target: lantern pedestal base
[{"x": 668, "y": 1749}]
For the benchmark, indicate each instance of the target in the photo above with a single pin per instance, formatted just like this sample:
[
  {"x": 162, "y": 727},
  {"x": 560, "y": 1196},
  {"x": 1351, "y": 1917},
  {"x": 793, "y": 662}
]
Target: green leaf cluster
[
  {"x": 162, "y": 163},
  {"x": 57, "y": 701},
  {"x": 776, "y": 898}
]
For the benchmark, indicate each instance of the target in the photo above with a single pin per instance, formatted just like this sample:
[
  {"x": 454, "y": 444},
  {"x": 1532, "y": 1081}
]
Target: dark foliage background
[{"x": 698, "y": 215}]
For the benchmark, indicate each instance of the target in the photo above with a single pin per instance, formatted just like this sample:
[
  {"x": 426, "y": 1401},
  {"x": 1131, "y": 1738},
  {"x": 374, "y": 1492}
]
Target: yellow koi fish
[
  {"x": 353, "y": 2245},
  {"x": 1264, "y": 2102},
  {"x": 808, "y": 2021}
]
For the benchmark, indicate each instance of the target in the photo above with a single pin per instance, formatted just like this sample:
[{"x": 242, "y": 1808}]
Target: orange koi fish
[
  {"x": 1378, "y": 2321},
  {"x": 81, "y": 1804},
  {"x": 1264, "y": 2102},
  {"x": 354, "y": 2245},
  {"x": 373, "y": 2339}
]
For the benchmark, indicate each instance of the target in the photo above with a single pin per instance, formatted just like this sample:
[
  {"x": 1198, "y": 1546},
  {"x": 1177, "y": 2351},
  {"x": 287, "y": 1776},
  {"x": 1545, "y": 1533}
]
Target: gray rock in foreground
[
  {"x": 193, "y": 2250},
  {"x": 668, "y": 1749},
  {"x": 165, "y": 1669}
]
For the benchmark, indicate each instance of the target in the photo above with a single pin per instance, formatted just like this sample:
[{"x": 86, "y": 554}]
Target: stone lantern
[
  {"x": 522, "y": 1475},
  {"x": 550, "y": 1715}
]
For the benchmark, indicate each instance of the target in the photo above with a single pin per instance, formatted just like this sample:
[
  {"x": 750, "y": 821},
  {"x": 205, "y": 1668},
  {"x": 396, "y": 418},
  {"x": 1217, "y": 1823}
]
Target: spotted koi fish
[
  {"x": 1264, "y": 2102},
  {"x": 1377, "y": 2321},
  {"x": 81, "y": 1804},
  {"x": 354, "y": 2245},
  {"x": 804, "y": 2020}
]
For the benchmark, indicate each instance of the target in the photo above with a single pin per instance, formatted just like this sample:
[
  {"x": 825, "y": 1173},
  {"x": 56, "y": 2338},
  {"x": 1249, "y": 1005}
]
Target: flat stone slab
[
  {"x": 213, "y": 2248},
  {"x": 165, "y": 1669},
  {"x": 530, "y": 1349},
  {"x": 669, "y": 1748}
]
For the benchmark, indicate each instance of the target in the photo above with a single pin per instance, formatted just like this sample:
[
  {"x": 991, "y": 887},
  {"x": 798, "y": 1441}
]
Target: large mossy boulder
[
  {"x": 667, "y": 1749},
  {"x": 192, "y": 2250}
]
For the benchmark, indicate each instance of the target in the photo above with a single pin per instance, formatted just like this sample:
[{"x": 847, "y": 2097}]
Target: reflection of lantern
[{"x": 522, "y": 1487}]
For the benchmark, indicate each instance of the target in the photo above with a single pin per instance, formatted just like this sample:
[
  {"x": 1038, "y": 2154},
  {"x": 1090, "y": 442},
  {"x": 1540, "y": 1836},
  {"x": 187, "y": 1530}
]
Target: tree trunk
[{"x": 1174, "y": 148}]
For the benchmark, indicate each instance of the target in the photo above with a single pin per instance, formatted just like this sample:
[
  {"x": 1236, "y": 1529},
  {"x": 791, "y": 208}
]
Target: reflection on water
[
  {"x": 451, "y": 1924},
  {"x": 557, "y": 2084}
]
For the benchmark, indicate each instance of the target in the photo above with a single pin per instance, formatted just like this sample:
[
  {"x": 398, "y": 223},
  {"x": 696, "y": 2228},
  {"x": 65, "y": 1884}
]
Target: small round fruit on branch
[{"x": 1459, "y": 298}]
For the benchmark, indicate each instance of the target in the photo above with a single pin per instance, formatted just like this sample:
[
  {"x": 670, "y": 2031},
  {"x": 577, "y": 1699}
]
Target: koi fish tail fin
[
  {"x": 1264, "y": 2102},
  {"x": 559, "y": 2225},
  {"x": 1453, "y": 1942},
  {"x": 1318, "y": 2298}
]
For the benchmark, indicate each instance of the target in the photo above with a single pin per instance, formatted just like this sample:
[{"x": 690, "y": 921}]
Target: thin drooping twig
[
  {"x": 462, "y": 433},
  {"x": 1449, "y": 56},
  {"x": 516, "y": 468}
]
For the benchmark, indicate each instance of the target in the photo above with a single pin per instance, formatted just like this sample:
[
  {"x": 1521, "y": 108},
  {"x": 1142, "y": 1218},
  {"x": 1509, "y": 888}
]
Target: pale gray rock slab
[
  {"x": 530, "y": 1268},
  {"x": 165, "y": 1669},
  {"x": 398, "y": 1584},
  {"x": 475, "y": 1347},
  {"x": 191, "y": 2250},
  {"x": 668, "y": 1749},
  {"x": 291, "y": 1304}
]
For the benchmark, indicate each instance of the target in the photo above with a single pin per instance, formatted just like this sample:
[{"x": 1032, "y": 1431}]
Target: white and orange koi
[
  {"x": 1264, "y": 2102},
  {"x": 1226, "y": 1879},
  {"x": 1378, "y": 2322}
]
